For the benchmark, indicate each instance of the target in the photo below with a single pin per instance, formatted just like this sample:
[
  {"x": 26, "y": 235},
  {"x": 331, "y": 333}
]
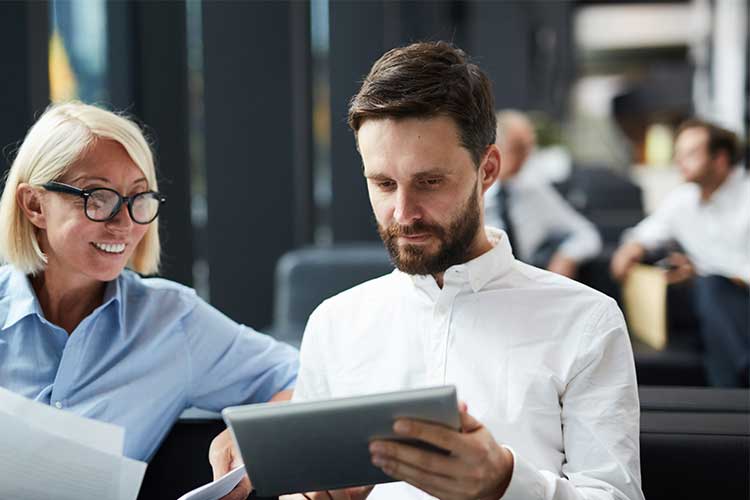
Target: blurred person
[
  {"x": 709, "y": 218},
  {"x": 543, "y": 229},
  {"x": 83, "y": 333},
  {"x": 542, "y": 364}
]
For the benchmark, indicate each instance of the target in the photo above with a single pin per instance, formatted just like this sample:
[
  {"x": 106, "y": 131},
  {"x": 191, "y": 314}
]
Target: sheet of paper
[
  {"x": 39, "y": 464},
  {"x": 645, "y": 297},
  {"x": 218, "y": 488},
  {"x": 101, "y": 436}
]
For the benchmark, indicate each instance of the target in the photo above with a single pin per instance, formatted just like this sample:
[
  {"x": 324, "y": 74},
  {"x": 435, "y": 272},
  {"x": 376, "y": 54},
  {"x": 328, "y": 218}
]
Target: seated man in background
[
  {"x": 709, "y": 217},
  {"x": 543, "y": 364},
  {"x": 542, "y": 228}
]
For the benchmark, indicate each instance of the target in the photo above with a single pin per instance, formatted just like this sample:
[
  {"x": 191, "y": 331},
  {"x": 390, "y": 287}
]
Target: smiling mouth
[{"x": 114, "y": 248}]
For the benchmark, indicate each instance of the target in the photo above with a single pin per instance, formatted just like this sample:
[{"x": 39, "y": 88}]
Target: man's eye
[
  {"x": 435, "y": 181},
  {"x": 386, "y": 184}
]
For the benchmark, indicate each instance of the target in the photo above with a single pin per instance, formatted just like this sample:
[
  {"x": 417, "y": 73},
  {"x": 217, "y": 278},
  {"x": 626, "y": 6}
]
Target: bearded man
[{"x": 542, "y": 364}]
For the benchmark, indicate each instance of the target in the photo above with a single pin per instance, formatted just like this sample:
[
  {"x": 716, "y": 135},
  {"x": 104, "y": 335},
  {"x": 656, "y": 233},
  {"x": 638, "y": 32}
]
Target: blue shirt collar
[{"x": 23, "y": 299}]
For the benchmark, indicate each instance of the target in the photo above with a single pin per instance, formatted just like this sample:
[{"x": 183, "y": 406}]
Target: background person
[
  {"x": 709, "y": 218},
  {"x": 81, "y": 332},
  {"x": 543, "y": 229}
]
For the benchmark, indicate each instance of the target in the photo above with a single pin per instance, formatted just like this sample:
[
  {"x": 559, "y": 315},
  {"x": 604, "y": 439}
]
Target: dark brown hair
[
  {"x": 719, "y": 139},
  {"x": 425, "y": 80}
]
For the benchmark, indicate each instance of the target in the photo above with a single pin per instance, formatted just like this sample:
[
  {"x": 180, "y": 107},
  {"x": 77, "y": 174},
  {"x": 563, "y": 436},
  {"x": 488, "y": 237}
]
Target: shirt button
[{"x": 58, "y": 405}]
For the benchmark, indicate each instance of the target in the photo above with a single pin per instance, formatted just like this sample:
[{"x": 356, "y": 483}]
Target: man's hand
[
  {"x": 564, "y": 265},
  {"x": 355, "y": 493},
  {"x": 477, "y": 467},
  {"x": 624, "y": 258},
  {"x": 680, "y": 268},
  {"x": 224, "y": 457}
]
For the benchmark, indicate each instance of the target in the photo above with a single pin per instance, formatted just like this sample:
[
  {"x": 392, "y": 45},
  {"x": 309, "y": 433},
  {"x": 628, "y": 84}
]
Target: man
[
  {"x": 709, "y": 217},
  {"x": 543, "y": 229},
  {"x": 542, "y": 364}
]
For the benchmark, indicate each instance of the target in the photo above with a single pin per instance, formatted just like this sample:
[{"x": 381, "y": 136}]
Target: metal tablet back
[{"x": 323, "y": 445}]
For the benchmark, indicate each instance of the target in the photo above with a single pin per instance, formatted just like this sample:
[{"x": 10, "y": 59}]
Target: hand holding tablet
[{"x": 325, "y": 445}]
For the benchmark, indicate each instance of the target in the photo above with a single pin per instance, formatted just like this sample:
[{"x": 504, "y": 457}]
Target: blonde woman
[{"x": 80, "y": 329}]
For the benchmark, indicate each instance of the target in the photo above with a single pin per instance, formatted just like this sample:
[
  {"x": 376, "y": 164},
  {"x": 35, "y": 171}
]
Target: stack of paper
[{"x": 49, "y": 453}]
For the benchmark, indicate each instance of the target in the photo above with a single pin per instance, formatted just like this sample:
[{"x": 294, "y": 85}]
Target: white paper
[
  {"x": 218, "y": 488},
  {"x": 101, "y": 436},
  {"x": 39, "y": 460}
]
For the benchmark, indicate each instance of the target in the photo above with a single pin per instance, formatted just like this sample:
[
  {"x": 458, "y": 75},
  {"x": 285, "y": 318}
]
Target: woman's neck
[{"x": 66, "y": 301}]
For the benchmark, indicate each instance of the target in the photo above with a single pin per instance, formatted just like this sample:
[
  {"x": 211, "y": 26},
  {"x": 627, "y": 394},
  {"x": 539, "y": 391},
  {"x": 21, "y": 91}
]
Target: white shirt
[
  {"x": 715, "y": 234},
  {"x": 544, "y": 362},
  {"x": 537, "y": 211}
]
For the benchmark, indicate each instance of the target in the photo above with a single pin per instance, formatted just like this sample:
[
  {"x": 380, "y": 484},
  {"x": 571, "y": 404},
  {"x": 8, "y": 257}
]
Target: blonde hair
[{"x": 62, "y": 136}]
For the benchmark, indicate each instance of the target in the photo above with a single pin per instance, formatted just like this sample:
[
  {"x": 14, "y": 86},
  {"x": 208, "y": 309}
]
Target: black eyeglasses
[{"x": 103, "y": 204}]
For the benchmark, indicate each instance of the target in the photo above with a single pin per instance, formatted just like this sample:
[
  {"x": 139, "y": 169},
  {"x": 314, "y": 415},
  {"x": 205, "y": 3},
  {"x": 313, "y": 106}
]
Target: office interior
[{"x": 245, "y": 104}]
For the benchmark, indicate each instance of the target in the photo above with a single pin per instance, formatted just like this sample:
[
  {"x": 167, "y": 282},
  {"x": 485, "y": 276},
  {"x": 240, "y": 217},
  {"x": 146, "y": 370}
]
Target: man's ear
[
  {"x": 29, "y": 199},
  {"x": 721, "y": 159},
  {"x": 489, "y": 170}
]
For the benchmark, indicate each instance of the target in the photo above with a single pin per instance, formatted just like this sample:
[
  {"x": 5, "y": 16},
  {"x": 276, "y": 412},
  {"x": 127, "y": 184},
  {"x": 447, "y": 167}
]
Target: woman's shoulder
[{"x": 157, "y": 292}]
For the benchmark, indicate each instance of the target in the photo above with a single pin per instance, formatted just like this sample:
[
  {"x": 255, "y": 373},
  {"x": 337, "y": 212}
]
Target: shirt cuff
[{"x": 526, "y": 483}]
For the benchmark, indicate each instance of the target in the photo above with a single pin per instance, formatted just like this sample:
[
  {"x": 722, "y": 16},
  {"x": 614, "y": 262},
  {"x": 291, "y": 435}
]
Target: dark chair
[
  {"x": 695, "y": 443},
  {"x": 307, "y": 276}
]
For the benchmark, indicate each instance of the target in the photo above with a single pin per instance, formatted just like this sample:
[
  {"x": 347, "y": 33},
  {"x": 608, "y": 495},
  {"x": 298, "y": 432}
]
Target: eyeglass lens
[{"x": 102, "y": 204}]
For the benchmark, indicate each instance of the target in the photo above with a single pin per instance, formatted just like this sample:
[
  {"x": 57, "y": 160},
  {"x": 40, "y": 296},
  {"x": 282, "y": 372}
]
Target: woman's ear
[{"x": 29, "y": 199}]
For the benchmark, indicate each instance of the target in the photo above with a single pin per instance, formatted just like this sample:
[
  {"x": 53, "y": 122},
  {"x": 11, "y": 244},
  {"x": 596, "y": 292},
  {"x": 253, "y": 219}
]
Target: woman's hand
[{"x": 223, "y": 458}]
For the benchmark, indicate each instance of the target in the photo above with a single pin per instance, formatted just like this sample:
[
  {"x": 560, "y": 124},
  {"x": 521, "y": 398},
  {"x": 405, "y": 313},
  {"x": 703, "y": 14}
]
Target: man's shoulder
[
  {"x": 369, "y": 290},
  {"x": 551, "y": 285}
]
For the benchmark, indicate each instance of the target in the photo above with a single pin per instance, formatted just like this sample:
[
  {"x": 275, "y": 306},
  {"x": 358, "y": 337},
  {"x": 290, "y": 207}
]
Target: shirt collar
[
  {"x": 23, "y": 299},
  {"x": 480, "y": 270},
  {"x": 725, "y": 190}
]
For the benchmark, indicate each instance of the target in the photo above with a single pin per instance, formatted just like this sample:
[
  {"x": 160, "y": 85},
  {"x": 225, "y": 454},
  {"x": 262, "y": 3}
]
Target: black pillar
[
  {"x": 351, "y": 216},
  {"x": 252, "y": 121},
  {"x": 159, "y": 88},
  {"x": 24, "y": 85}
]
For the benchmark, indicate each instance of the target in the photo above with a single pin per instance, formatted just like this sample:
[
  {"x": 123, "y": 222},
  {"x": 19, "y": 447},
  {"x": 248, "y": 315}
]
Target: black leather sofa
[{"x": 695, "y": 445}]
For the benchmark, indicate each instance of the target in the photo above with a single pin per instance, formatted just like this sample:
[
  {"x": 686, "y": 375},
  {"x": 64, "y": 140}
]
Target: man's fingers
[
  {"x": 424, "y": 460},
  {"x": 437, "y": 435},
  {"x": 435, "y": 485},
  {"x": 241, "y": 491},
  {"x": 469, "y": 423}
]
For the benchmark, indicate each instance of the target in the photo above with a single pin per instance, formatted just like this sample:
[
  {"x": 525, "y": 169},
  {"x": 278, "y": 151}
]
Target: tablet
[{"x": 324, "y": 445}]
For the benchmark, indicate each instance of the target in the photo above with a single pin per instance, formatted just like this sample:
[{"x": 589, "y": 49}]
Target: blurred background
[{"x": 245, "y": 104}]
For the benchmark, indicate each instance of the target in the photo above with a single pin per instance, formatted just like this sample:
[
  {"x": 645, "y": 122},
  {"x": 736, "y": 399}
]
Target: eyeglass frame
[{"x": 59, "y": 187}]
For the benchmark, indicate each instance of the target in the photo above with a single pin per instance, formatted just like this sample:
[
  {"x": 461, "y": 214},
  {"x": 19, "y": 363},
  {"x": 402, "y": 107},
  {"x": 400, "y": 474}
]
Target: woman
[{"x": 83, "y": 333}]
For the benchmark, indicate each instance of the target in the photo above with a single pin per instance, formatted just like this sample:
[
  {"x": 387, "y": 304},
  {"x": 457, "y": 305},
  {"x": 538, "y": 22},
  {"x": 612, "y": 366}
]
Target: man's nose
[{"x": 407, "y": 207}]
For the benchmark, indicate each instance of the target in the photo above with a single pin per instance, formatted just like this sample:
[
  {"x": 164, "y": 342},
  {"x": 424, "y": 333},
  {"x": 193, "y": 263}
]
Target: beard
[{"x": 454, "y": 241}]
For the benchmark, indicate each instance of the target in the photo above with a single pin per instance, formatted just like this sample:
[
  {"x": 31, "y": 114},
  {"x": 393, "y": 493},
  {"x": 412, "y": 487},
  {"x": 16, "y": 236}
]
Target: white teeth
[{"x": 115, "y": 248}]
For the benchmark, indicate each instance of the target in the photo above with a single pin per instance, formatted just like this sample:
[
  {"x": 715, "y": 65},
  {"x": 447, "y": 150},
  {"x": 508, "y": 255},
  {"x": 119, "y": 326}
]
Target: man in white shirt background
[
  {"x": 544, "y": 230},
  {"x": 542, "y": 364},
  {"x": 709, "y": 218}
]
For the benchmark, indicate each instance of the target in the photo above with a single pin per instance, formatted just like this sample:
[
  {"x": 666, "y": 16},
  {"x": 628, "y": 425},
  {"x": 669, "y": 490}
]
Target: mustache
[{"x": 418, "y": 227}]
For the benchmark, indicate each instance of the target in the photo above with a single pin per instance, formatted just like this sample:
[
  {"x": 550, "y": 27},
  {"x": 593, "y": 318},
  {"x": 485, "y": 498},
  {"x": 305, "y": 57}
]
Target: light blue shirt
[{"x": 152, "y": 349}]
